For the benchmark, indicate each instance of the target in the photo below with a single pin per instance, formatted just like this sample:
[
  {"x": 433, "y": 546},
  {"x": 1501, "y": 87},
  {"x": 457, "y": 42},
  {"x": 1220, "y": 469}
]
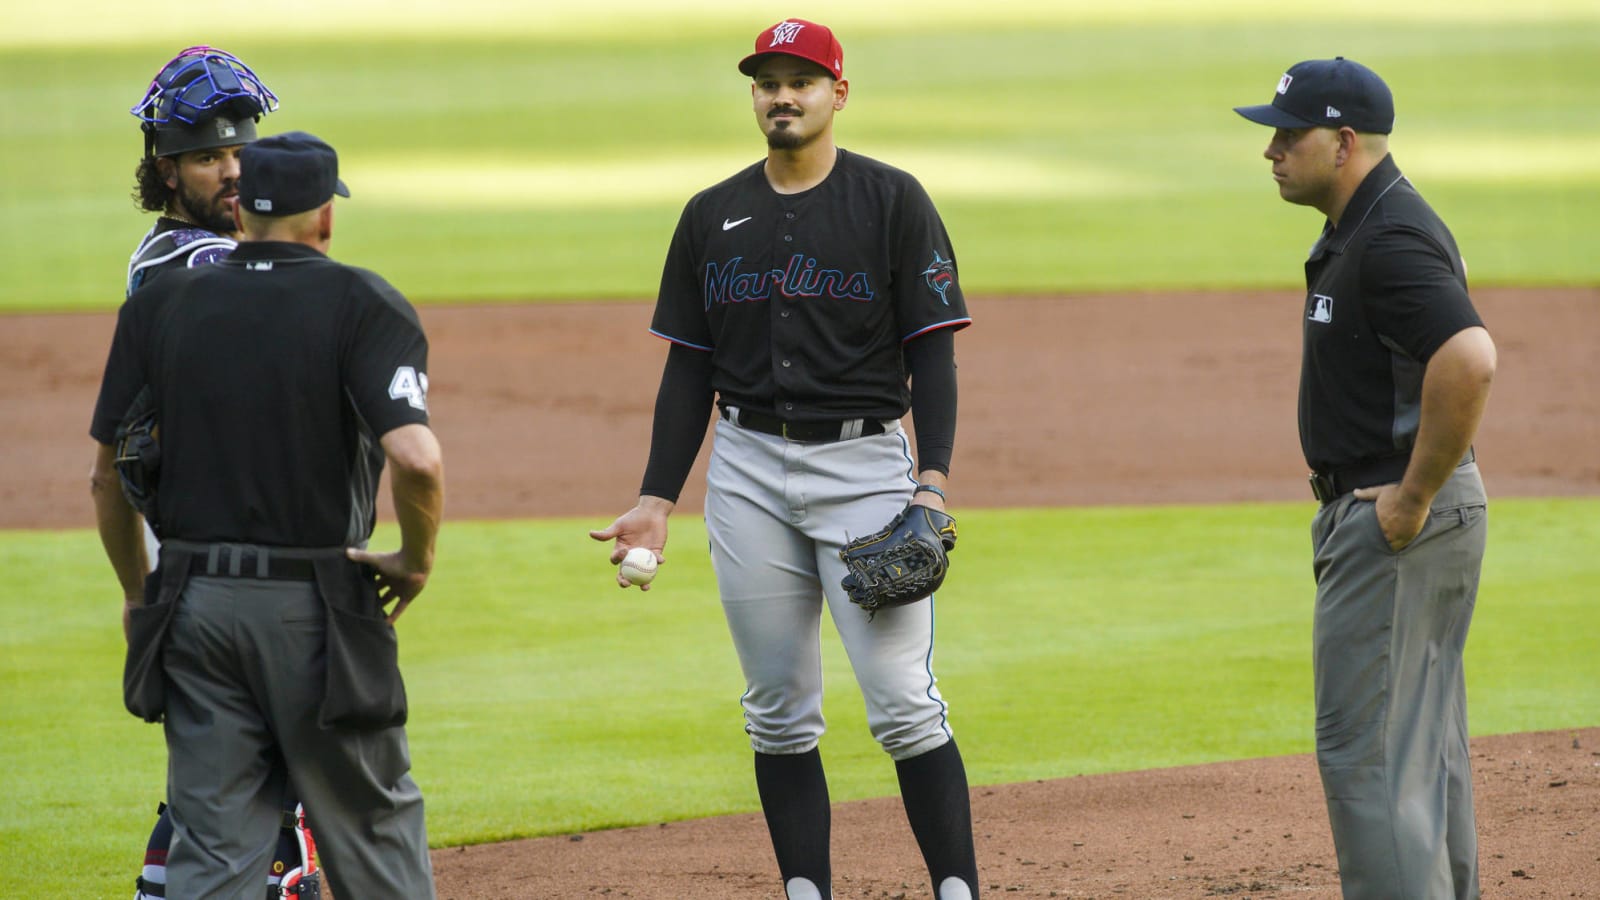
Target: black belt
[
  {"x": 1335, "y": 483},
  {"x": 253, "y": 560},
  {"x": 809, "y": 432}
]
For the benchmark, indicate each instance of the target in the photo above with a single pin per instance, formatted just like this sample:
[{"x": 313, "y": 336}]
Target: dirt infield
[{"x": 1144, "y": 398}]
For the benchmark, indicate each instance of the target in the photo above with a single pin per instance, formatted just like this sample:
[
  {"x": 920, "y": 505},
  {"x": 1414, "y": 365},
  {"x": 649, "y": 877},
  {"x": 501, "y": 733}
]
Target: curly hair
[{"x": 150, "y": 189}]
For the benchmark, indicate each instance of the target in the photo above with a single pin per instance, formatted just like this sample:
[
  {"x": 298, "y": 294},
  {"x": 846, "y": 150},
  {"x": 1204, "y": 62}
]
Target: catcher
[{"x": 812, "y": 300}]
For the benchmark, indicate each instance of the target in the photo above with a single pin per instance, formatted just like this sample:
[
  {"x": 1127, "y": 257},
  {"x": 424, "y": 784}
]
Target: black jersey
[
  {"x": 275, "y": 372},
  {"x": 1384, "y": 290},
  {"x": 804, "y": 300},
  {"x": 173, "y": 244}
]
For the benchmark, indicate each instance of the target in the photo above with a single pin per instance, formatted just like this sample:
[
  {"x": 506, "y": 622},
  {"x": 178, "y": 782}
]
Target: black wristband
[{"x": 930, "y": 489}]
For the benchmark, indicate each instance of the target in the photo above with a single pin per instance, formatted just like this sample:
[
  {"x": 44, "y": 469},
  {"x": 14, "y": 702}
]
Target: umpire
[
  {"x": 1393, "y": 382},
  {"x": 282, "y": 382}
]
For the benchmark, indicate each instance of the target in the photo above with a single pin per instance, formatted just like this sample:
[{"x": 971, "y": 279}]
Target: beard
[
  {"x": 209, "y": 213},
  {"x": 781, "y": 137}
]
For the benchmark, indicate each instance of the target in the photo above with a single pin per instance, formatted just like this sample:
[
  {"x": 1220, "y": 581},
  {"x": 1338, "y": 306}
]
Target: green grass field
[
  {"x": 1069, "y": 147},
  {"x": 546, "y": 701}
]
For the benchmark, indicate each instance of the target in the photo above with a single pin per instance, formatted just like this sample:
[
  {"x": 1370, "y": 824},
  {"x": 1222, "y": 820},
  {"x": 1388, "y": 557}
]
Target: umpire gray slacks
[
  {"x": 1391, "y": 699},
  {"x": 244, "y": 664}
]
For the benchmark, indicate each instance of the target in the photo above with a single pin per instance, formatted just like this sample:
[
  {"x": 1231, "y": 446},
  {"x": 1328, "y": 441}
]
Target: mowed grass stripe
[{"x": 1065, "y": 156}]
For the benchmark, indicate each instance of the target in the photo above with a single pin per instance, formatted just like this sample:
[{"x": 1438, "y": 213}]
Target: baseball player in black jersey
[
  {"x": 799, "y": 296},
  {"x": 1393, "y": 382},
  {"x": 283, "y": 381},
  {"x": 197, "y": 114}
]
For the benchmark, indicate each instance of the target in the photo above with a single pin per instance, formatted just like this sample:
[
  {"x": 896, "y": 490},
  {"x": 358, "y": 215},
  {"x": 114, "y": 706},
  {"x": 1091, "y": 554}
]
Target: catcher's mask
[{"x": 202, "y": 98}]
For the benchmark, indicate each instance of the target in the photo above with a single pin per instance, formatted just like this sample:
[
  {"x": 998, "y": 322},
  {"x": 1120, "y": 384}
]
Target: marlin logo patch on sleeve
[{"x": 940, "y": 276}]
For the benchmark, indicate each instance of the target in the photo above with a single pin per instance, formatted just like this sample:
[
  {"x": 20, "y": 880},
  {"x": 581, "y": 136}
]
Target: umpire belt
[
  {"x": 253, "y": 560},
  {"x": 806, "y": 432},
  {"x": 1335, "y": 483}
]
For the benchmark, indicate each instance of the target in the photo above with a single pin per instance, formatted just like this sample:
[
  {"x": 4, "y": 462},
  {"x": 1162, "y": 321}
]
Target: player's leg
[
  {"x": 152, "y": 880},
  {"x": 933, "y": 787},
  {"x": 771, "y": 598},
  {"x": 856, "y": 488},
  {"x": 295, "y": 869},
  {"x": 1387, "y": 627},
  {"x": 224, "y": 791},
  {"x": 366, "y": 808}
]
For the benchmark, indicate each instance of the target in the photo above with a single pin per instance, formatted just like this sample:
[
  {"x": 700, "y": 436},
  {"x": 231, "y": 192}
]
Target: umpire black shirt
[
  {"x": 275, "y": 373},
  {"x": 1384, "y": 290}
]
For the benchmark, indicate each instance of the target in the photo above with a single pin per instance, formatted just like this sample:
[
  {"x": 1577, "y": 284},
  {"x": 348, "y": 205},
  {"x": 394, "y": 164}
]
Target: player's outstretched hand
[
  {"x": 399, "y": 582},
  {"x": 643, "y": 526}
]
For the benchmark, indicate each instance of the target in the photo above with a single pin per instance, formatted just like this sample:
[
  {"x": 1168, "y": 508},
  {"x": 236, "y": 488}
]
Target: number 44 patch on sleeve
[{"x": 410, "y": 386}]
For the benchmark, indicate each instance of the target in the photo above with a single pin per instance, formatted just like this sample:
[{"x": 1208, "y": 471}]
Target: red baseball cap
[{"x": 797, "y": 37}]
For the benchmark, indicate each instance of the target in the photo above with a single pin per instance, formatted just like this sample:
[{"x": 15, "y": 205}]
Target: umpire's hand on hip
[{"x": 399, "y": 581}]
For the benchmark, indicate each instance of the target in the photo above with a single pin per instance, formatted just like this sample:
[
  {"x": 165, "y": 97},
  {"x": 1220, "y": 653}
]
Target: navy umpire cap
[
  {"x": 288, "y": 173},
  {"x": 1328, "y": 93}
]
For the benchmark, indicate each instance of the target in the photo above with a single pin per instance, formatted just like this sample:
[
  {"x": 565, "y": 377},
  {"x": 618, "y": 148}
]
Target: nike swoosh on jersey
[{"x": 730, "y": 224}]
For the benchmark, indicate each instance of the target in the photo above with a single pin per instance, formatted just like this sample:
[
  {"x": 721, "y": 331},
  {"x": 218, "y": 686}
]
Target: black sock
[
  {"x": 794, "y": 797},
  {"x": 934, "y": 789}
]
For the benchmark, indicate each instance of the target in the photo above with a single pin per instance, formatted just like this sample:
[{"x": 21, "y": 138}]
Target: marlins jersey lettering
[
  {"x": 171, "y": 244},
  {"x": 805, "y": 299}
]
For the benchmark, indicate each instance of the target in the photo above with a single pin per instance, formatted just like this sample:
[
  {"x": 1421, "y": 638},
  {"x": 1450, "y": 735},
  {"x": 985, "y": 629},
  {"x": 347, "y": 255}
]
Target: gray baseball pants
[
  {"x": 1391, "y": 701},
  {"x": 777, "y": 512},
  {"x": 244, "y": 664}
]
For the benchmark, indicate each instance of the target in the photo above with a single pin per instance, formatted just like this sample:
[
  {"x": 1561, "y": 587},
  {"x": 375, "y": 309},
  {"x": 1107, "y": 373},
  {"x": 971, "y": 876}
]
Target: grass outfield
[
  {"x": 546, "y": 701},
  {"x": 495, "y": 155}
]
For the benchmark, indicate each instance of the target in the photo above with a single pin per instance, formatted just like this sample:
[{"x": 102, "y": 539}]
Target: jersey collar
[
  {"x": 1384, "y": 176},
  {"x": 278, "y": 250}
]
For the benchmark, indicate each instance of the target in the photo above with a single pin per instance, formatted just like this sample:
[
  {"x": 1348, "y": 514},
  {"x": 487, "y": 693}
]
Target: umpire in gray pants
[
  {"x": 281, "y": 382},
  {"x": 1394, "y": 379}
]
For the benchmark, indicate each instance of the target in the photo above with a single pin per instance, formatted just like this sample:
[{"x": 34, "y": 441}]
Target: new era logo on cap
[{"x": 1328, "y": 93}]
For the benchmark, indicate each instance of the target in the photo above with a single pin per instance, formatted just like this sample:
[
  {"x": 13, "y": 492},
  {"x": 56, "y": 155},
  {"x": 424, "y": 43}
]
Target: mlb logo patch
[
  {"x": 1283, "y": 83},
  {"x": 1321, "y": 308},
  {"x": 225, "y": 128},
  {"x": 263, "y": 205}
]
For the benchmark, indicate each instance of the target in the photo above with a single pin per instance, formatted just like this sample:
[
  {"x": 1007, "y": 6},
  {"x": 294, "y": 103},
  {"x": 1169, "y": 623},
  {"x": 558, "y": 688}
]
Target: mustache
[{"x": 784, "y": 111}]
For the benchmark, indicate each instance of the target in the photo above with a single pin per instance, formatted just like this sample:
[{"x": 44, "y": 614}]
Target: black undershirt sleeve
[
  {"x": 683, "y": 407},
  {"x": 931, "y": 360}
]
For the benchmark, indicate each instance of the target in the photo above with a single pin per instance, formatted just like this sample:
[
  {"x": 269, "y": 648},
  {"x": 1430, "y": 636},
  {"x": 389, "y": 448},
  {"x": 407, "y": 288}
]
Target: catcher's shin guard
[
  {"x": 152, "y": 880},
  {"x": 294, "y": 869}
]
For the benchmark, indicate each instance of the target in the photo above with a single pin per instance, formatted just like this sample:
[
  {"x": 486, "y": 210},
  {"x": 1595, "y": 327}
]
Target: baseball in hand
[{"x": 639, "y": 566}]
